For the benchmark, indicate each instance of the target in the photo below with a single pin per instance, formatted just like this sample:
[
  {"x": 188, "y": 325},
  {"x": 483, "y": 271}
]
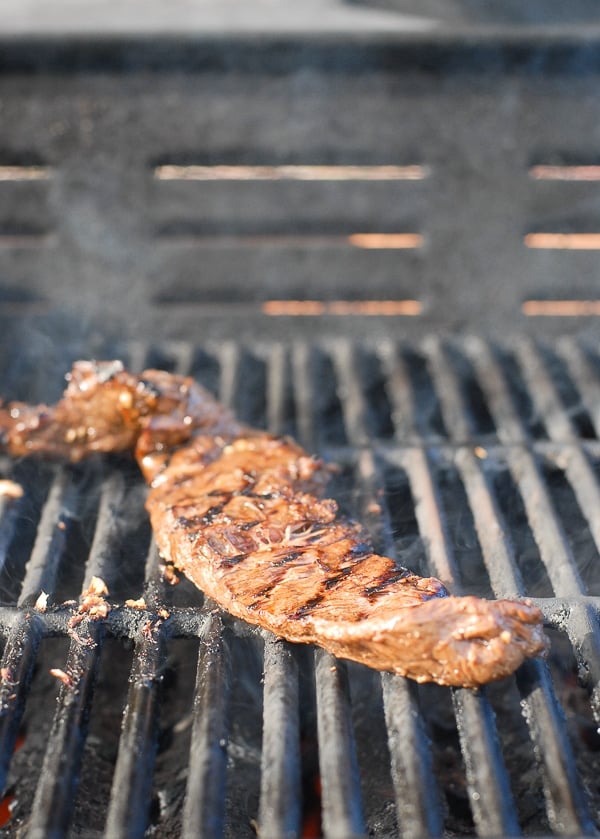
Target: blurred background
[{"x": 233, "y": 168}]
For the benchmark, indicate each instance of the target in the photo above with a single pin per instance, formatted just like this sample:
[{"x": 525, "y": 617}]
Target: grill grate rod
[
  {"x": 51, "y": 538},
  {"x": 492, "y": 803},
  {"x": 204, "y": 809},
  {"x": 567, "y": 809},
  {"x": 280, "y": 793},
  {"x": 132, "y": 780},
  {"x": 276, "y": 389},
  {"x": 342, "y": 800},
  {"x": 304, "y": 396},
  {"x": 205, "y": 798},
  {"x": 417, "y": 795},
  {"x": 584, "y": 377},
  {"x": 418, "y": 801},
  {"x": 57, "y": 787},
  {"x": 17, "y": 666},
  {"x": 10, "y": 510},
  {"x": 582, "y": 627}
]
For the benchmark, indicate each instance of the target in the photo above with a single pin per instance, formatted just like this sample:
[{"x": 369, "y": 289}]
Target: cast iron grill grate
[{"x": 471, "y": 461}]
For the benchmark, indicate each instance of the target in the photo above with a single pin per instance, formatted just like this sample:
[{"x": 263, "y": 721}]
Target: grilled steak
[{"x": 242, "y": 514}]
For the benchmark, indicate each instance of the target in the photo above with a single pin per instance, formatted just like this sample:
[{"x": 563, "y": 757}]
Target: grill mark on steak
[
  {"x": 212, "y": 513},
  {"x": 231, "y": 561},
  {"x": 308, "y": 607},
  {"x": 241, "y": 513},
  {"x": 291, "y": 557},
  {"x": 386, "y": 581},
  {"x": 332, "y": 582}
]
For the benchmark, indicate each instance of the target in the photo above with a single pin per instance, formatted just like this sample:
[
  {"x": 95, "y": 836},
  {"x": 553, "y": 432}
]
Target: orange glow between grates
[
  {"x": 565, "y": 173},
  {"x": 291, "y": 173},
  {"x": 561, "y": 308},
  {"x": 386, "y": 241},
  {"x": 563, "y": 241},
  {"x": 24, "y": 173},
  {"x": 363, "y": 241},
  {"x": 296, "y": 308}
]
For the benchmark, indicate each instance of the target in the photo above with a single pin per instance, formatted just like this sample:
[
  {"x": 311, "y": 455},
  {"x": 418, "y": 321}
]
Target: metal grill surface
[{"x": 473, "y": 461}]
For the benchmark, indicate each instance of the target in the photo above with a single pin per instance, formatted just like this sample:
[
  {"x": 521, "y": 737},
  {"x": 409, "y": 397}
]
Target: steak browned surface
[{"x": 242, "y": 513}]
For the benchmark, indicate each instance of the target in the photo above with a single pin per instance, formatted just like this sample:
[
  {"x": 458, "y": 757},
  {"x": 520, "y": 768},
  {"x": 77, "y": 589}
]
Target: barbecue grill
[{"x": 382, "y": 240}]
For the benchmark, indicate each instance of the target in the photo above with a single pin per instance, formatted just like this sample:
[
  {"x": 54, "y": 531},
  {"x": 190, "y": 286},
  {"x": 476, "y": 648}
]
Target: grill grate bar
[
  {"x": 417, "y": 794},
  {"x": 10, "y": 510},
  {"x": 457, "y": 418},
  {"x": 342, "y": 801},
  {"x": 353, "y": 399},
  {"x": 42, "y": 567},
  {"x": 491, "y": 379},
  {"x": 280, "y": 794},
  {"x": 204, "y": 809},
  {"x": 545, "y": 525},
  {"x": 399, "y": 390},
  {"x": 584, "y": 377},
  {"x": 137, "y": 352},
  {"x": 585, "y": 487},
  {"x": 132, "y": 780},
  {"x": 108, "y": 533},
  {"x": 490, "y": 796},
  {"x": 546, "y": 400},
  {"x": 57, "y": 787},
  {"x": 276, "y": 388},
  {"x": 584, "y": 632},
  {"x": 125, "y": 622},
  {"x": 498, "y": 555},
  {"x": 429, "y": 515},
  {"x": 303, "y": 394},
  {"x": 567, "y": 809},
  {"x": 17, "y": 666},
  {"x": 183, "y": 354},
  {"x": 229, "y": 357},
  {"x": 280, "y": 804}
]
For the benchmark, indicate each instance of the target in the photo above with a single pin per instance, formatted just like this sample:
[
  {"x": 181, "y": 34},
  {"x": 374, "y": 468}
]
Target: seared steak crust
[{"x": 241, "y": 513}]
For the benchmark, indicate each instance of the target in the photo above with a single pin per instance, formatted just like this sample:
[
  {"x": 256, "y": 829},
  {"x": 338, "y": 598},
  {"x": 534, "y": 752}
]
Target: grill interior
[
  {"x": 213, "y": 184},
  {"x": 470, "y": 460},
  {"x": 384, "y": 241}
]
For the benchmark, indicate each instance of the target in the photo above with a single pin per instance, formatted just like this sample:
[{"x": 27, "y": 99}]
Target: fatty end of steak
[{"x": 453, "y": 641}]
